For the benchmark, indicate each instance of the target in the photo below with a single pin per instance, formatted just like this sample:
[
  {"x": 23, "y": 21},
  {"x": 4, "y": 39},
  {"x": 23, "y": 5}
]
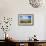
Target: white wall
[{"x": 12, "y": 8}]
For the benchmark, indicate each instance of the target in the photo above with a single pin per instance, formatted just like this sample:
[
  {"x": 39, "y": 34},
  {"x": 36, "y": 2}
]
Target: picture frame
[{"x": 25, "y": 19}]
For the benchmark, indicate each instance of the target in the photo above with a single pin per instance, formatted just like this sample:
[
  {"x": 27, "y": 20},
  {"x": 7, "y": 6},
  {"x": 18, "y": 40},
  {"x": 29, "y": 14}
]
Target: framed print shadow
[{"x": 25, "y": 19}]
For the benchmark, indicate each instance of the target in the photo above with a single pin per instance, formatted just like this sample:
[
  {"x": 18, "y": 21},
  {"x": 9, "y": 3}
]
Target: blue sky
[{"x": 25, "y": 17}]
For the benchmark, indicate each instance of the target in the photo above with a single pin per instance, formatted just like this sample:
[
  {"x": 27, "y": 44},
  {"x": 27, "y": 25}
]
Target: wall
[{"x": 11, "y": 8}]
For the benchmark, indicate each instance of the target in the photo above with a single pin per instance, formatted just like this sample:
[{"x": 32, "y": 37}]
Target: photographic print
[{"x": 25, "y": 19}]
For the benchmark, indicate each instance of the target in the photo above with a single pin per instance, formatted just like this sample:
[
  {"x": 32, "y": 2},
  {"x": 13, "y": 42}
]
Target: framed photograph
[{"x": 25, "y": 19}]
